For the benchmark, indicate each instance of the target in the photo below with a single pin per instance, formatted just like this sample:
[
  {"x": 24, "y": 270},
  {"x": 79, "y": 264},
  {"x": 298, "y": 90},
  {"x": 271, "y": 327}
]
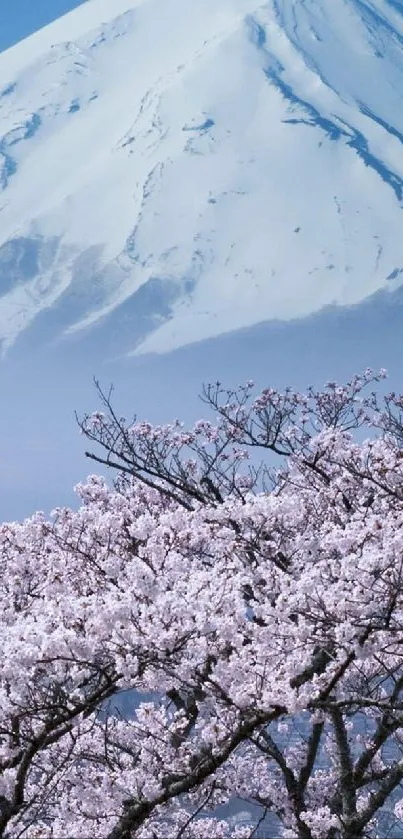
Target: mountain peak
[{"x": 190, "y": 169}]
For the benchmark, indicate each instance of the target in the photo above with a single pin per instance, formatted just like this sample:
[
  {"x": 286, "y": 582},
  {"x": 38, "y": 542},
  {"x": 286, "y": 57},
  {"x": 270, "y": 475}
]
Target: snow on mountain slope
[{"x": 244, "y": 159}]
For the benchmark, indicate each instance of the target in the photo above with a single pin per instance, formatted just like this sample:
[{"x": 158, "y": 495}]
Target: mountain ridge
[{"x": 209, "y": 168}]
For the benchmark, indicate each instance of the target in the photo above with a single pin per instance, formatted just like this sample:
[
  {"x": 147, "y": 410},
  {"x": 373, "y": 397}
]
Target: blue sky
[{"x": 19, "y": 18}]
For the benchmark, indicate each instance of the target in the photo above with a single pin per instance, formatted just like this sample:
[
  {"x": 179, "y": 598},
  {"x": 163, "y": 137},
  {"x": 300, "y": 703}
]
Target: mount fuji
[
  {"x": 182, "y": 170},
  {"x": 191, "y": 190}
]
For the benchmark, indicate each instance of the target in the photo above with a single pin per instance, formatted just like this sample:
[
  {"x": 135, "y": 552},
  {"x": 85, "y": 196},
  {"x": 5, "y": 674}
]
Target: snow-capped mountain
[{"x": 188, "y": 168}]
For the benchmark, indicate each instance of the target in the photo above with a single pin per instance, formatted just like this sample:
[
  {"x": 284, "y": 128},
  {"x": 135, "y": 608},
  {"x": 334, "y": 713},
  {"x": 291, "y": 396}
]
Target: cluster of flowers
[{"x": 252, "y": 637}]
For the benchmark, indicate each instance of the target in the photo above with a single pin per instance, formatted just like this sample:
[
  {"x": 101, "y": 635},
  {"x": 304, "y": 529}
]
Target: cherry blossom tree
[{"x": 222, "y": 626}]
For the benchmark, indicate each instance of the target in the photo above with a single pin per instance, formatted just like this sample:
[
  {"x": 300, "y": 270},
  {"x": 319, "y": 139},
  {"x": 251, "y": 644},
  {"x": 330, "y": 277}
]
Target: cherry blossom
[{"x": 208, "y": 636}]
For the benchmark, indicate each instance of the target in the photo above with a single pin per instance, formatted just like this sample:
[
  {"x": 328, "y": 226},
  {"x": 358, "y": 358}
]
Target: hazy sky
[
  {"x": 19, "y": 18},
  {"x": 42, "y": 451}
]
